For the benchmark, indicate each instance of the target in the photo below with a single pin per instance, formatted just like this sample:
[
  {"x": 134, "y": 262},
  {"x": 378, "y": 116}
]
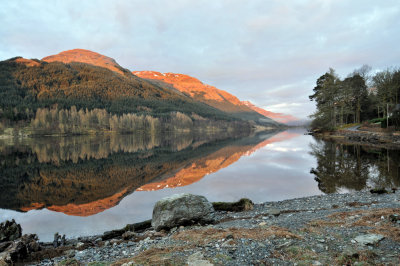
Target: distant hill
[
  {"x": 210, "y": 95},
  {"x": 282, "y": 118}
]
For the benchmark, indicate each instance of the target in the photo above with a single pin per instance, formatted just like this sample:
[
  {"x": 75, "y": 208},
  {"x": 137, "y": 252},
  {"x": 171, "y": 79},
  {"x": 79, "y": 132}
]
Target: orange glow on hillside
[
  {"x": 212, "y": 163},
  {"x": 85, "y": 209},
  {"x": 85, "y": 56}
]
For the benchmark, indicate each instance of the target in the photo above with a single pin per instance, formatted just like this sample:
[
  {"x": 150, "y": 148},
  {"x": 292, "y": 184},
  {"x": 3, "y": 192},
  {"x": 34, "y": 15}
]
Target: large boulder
[
  {"x": 181, "y": 209},
  {"x": 10, "y": 231}
]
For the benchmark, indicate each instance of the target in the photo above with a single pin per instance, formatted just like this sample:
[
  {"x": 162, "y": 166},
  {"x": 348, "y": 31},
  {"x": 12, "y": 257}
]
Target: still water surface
[{"x": 88, "y": 185}]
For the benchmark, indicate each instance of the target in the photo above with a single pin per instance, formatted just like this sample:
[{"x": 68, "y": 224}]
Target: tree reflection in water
[
  {"x": 354, "y": 167},
  {"x": 88, "y": 174}
]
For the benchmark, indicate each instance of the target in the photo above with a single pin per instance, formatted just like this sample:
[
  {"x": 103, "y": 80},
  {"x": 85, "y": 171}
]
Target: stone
[
  {"x": 228, "y": 243},
  {"x": 69, "y": 253},
  {"x": 112, "y": 234},
  {"x": 19, "y": 249},
  {"x": 15, "y": 252},
  {"x": 378, "y": 191},
  {"x": 10, "y": 231},
  {"x": 138, "y": 227},
  {"x": 274, "y": 212},
  {"x": 369, "y": 239},
  {"x": 238, "y": 206},
  {"x": 230, "y": 236},
  {"x": 5, "y": 245},
  {"x": 56, "y": 240},
  {"x": 31, "y": 242},
  {"x": 197, "y": 259},
  {"x": 63, "y": 240},
  {"x": 181, "y": 209},
  {"x": 79, "y": 244},
  {"x": 128, "y": 235},
  {"x": 351, "y": 253},
  {"x": 394, "y": 218}
]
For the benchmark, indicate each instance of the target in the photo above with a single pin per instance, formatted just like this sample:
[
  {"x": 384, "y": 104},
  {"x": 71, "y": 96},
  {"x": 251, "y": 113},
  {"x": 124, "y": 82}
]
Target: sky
[{"x": 267, "y": 52}]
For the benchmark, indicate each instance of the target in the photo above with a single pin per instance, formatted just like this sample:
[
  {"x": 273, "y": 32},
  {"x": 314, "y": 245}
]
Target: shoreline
[
  {"x": 361, "y": 137},
  {"x": 319, "y": 230}
]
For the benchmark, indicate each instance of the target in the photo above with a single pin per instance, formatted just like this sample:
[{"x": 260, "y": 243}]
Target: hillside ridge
[{"x": 85, "y": 56}]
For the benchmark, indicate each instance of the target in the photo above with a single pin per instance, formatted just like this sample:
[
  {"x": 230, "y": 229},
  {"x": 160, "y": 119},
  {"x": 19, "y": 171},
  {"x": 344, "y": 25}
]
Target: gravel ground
[{"x": 337, "y": 229}]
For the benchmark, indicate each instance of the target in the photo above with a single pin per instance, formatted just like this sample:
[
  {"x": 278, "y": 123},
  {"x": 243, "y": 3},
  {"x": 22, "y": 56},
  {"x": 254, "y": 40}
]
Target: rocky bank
[
  {"x": 360, "y": 228},
  {"x": 363, "y": 137}
]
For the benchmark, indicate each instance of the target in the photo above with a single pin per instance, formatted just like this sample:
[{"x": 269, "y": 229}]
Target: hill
[
  {"x": 26, "y": 85},
  {"x": 210, "y": 95},
  {"x": 88, "y": 80},
  {"x": 88, "y": 57}
]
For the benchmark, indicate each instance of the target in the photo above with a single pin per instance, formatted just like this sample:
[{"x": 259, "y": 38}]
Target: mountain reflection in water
[
  {"x": 212, "y": 163},
  {"x": 105, "y": 182},
  {"x": 83, "y": 176},
  {"x": 344, "y": 167}
]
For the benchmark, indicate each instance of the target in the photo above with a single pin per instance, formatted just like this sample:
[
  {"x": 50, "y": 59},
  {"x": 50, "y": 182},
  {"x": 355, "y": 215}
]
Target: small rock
[
  {"x": 243, "y": 204},
  {"x": 228, "y": 243},
  {"x": 128, "y": 235},
  {"x": 274, "y": 212},
  {"x": 369, "y": 239},
  {"x": 159, "y": 234},
  {"x": 112, "y": 234},
  {"x": 197, "y": 259},
  {"x": 378, "y": 191},
  {"x": 262, "y": 224},
  {"x": 69, "y": 253},
  {"x": 10, "y": 231},
  {"x": 394, "y": 218},
  {"x": 56, "y": 241},
  {"x": 79, "y": 244},
  {"x": 351, "y": 253}
]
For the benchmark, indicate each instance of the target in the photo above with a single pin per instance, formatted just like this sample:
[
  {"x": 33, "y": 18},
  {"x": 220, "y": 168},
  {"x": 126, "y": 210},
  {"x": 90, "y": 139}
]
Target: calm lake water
[{"x": 87, "y": 185}]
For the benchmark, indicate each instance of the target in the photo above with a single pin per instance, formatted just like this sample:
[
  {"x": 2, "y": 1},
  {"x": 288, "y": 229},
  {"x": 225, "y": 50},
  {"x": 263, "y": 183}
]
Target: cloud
[{"x": 264, "y": 51}]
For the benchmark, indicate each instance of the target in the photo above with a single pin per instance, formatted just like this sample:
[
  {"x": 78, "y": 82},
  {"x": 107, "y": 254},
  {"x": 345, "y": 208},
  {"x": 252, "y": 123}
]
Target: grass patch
[
  {"x": 157, "y": 256},
  {"x": 298, "y": 254},
  {"x": 362, "y": 218},
  {"x": 70, "y": 262},
  {"x": 205, "y": 236},
  {"x": 346, "y": 126}
]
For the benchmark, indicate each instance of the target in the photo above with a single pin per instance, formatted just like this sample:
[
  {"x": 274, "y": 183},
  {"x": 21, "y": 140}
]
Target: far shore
[{"x": 387, "y": 140}]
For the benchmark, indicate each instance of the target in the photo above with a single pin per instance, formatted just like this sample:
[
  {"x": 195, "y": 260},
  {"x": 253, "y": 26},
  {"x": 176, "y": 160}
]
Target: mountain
[
  {"x": 87, "y": 79},
  {"x": 199, "y": 91},
  {"x": 26, "y": 85},
  {"x": 282, "y": 118},
  {"x": 88, "y": 57}
]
